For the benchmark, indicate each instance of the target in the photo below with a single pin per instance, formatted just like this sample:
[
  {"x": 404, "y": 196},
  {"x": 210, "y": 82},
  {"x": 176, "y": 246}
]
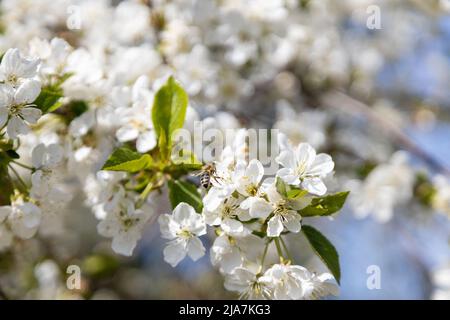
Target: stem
[
  {"x": 265, "y": 254},
  {"x": 22, "y": 165},
  {"x": 19, "y": 178},
  {"x": 144, "y": 194},
  {"x": 280, "y": 252},
  {"x": 286, "y": 249}
]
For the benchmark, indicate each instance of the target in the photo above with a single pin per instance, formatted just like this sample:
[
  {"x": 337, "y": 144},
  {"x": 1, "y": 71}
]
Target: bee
[{"x": 207, "y": 174}]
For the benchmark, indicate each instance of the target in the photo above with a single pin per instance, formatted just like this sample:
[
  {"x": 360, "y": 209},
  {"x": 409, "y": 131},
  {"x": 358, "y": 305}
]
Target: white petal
[
  {"x": 211, "y": 218},
  {"x": 305, "y": 154},
  {"x": 287, "y": 159},
  {"x": 11, "y": 61},
  {"x": 255, "y": 171},
  {"x": 232, "y": 226},
  {"x": 16, "y": 126},
  {"x": 6, "y": 237},
  {"x": 168, "y": 227},
  {"x": 124, "y": 243},
  {"x": 323, "y": 165},
  {"x": 195, "y": 248},
  {"x": 5, "y": 211},
  {"x": 55, "y": 154},
  {"x": 31, "y": 115},
  {"x": 260, "y": 208},
  {"x": 31, "y": 215},
  {"x": 231, "y": 260},
  {"x": 288, "y": 176},
  {"x": 213, "y": 199},
  {"x": 274, "y": 227},
  {"x": 27, "y": 92},
  {"x": 273, "y": 194},
  {"x": 183, "y": 212},
  {"x": 37, "y": 155},
  {"x": 146, "y": 142},
  {"x": 6, "y": 96},
  {"x": 314, "y": 186},
  {"x": 3, "y": 116},
  {"x": 175, "y": 252},
  {"x": 127, "y": 133},
  {"x": 292, "y": 222}
]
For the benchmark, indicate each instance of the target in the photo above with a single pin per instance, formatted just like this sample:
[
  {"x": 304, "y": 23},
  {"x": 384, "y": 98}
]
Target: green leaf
[
  {"x": 180, "y": 191},
  {"x": 169, "y": 112},
  {"x": 324, "y": 249},
  {"x": 49, "y": 99},
  {"x": 325, "y": 206},
  {"x": 281, "y": 187},
  {"x": 124, "y": 159},
  {"x": 294, "y": 194}
]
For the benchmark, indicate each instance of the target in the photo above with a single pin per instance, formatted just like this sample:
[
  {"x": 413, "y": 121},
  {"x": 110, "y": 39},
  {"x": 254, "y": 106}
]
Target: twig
[{"x": 353, "y": 106}]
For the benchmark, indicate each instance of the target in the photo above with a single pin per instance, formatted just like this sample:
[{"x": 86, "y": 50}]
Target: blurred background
[{"x": 366, "y": 81}]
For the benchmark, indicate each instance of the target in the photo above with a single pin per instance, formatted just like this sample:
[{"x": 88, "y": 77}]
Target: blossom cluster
[{"x": 248, "y": 214}]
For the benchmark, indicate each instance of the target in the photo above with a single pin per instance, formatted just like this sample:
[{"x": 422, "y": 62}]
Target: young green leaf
[
  {"x": 181, "y": 191},
  {"x": 49, "y": 99},
  {"x": 295, "y": 193},
  {"x": 124, "y": 159},
  {"x": 324, "y": 249},
  {"x": 325, "y": 206},
  {"x": 281, "y": 187},
  {"x": 169, "y": 111}
]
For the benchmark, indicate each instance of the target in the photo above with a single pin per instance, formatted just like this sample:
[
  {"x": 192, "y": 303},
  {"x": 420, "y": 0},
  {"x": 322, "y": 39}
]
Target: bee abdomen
[{"x": 205, "y": 180}]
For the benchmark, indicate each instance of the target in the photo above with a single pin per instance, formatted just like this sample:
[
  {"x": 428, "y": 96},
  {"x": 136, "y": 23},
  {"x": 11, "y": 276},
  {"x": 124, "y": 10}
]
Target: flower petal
[
  {"x": 288, "y": 176},
  {"x": 146, "y": 142},
  {"x": 31, "y": 115},
  {"x": 3, "y": 116},
  {"x": 287, "y": 159},
  {"x": 292, "y": 221},
  {"x": 260, "y": 208},
  {"x": 323, "y": 165},
  {"x": 195, "y": 248},
  {"x": 27, "y": 92},
  {"x": 16, "y": 126},
  {"x": 314, "y": 186},
  {"x": 175, "y": 252},
  {"x": 274, "y": 227},
  {"x": 124, "y": 243}
]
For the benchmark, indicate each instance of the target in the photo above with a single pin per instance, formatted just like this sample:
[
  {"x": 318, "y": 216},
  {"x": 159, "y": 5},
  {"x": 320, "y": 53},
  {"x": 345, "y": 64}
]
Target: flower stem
[
  {"x": 280, "y": 252},
  {"x": 286, "y": 249},
  {"x": 19, "y": 178},
  {"x": 144, "y": 194},
  {"x": 264, "y": 254},
  {"x": 22, "y": 165}
]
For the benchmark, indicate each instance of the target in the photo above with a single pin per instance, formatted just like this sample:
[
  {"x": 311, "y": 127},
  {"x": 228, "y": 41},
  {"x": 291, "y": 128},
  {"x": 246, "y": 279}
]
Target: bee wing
[{"x": 197, "y": 173}]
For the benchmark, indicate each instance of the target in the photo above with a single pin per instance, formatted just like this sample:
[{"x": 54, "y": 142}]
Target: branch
[{"x": 355, "y": 107}]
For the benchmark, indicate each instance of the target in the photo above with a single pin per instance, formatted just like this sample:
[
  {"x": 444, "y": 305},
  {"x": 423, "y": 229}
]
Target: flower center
[
  {"x": 252, "y": 190},
  {"x": 301, "y": 168},
  {"x": 126, "y": 221},
  {"x": 15, "y": 109},
  {"x": 13, "y": 79},
  {"x": 280, "y": 208},
  {"x": 229, "y": 211},
  {"x": 185, "y": 234}
]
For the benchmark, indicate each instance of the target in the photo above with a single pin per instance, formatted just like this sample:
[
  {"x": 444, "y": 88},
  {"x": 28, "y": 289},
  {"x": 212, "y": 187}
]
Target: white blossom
[
  {"x": 16, "y": 107},
  {"x": 15, "y": 68},
  {"x": 302, "y": 166},
  {"x": 182, "y": 227},
  {"x": 124, "y": 225}
]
